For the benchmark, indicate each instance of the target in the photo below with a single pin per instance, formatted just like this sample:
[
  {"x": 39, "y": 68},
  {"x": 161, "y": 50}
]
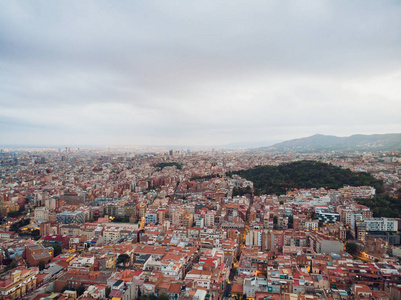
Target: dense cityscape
[
  {"x": 85, "y": 223},
  {"x": 205, "y": 150}
]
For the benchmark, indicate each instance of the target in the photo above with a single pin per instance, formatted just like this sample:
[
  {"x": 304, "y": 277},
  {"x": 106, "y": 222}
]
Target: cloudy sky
[{"x": 197, "y": 72}]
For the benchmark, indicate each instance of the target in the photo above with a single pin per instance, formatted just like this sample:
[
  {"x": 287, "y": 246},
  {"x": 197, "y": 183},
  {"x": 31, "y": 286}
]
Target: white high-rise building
[{"x": 381, "y": 224}]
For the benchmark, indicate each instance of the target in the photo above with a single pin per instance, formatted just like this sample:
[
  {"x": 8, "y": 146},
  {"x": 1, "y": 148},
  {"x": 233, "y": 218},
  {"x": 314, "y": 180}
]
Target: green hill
[
  {"x": 383, "y": 205},
  {"x": 357, "y": 142},
  {"x": 304, "y": 175}
]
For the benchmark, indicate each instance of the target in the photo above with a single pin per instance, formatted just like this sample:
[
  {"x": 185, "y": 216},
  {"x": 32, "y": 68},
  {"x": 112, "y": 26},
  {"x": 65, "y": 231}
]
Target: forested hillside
[
  {"x": 305, "y": 174},
  {"x": 383, "y": 205}
]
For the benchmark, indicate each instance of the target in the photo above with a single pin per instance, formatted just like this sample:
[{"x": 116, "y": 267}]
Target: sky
[{"x": 197, "y": 72}]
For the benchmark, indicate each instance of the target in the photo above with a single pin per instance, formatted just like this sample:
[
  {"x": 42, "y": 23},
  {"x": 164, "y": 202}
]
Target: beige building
[
  {"x": 70, "y": 230},
  {"x": 41, "y": 213},
  {"x": 8, "y": 207},
  {"x": 178, "y": 217},
  {"x": 18, "y": 282},
  {"x": 209, "y": 219}
]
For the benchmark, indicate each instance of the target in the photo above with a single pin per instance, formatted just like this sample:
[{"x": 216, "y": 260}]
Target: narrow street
[{"x": 233, "y": 270}]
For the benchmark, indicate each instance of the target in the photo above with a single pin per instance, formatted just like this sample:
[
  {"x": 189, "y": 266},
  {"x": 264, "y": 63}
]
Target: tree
[
  {"x": 120, "y": 219},
  {"x": 41, "y": 265},
  {"x": 163, "y": 297},
  {"x": 17, "y": 225},
  {"x": 383, "y": 205},
  {"x": 14, "y": 227},
  {"x": 150, "y": 297},
  {"x": 12, "y": 265},
  {"x": 80, "y": 290},
  {"x": 14, "y": 214},
  {"x": 290, "y": 221},
  {"x": 304, "y": 174},
  {"x": 162, "y": 165},
  {"x": 65, "y": 288},
  {"x": 57, "y": 248},
  {"x": 35, "y": 233},
  {"x": 108, "y": 290},
  {"x": 123, "y": 258},
  {"x": 351, "y": 248}
]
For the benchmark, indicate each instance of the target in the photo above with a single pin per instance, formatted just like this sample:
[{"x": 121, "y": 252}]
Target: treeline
[
  {"x": 383, "y": 205},
  {"x": 205, "y": 178},
  {"x": 120, "y": 220},
  {"x": 17, "y": 225},
  {"x": 162, "y": 165},
  {"x": 240, "y": 191},
  {"x": 305, "y": 175}
]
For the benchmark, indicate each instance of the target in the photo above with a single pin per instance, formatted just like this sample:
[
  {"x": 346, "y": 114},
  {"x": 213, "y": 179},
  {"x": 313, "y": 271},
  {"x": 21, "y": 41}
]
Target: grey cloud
[{"x": 207, "y": 71}]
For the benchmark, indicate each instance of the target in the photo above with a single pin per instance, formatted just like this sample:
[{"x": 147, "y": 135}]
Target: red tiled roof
[
  {"x": 174, "y": 288},
  {"x": 237, "y": 289}
]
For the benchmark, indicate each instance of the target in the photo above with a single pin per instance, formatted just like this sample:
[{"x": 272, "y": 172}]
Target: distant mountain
[
  {"x": 357, "y": 142},
  {"x": 254, "y": 144}
]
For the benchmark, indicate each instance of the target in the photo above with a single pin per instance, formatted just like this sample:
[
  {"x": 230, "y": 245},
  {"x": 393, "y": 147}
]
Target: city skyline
[{"x": 202, "y": 73}]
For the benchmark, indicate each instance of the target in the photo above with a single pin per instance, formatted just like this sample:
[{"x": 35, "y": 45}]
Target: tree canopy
[
  {"x": 120, "y": 220},
  {"x": 153, "y": 297},
  {"x": 21, "y": 223},
  {"x": 305, "y": 174},
  {"x": 80, "y": 290},
  {"x": 206, "y": 177},
  {"x": 55, "y": 245},
  {"x": 237, "y": 191},
  {"x": 41, "y": 265},
  {"x": 351, "y": 248},
  {"x": 383, "y": 205},
  {"x": 168, "y": 164},
  {"x": 123, "y": 258}
]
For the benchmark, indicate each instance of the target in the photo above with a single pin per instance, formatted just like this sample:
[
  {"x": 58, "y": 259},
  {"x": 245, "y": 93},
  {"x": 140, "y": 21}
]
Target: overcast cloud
[{"x": 197, "y": 72}]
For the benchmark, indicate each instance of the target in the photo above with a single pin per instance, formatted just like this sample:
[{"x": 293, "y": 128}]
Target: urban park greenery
[{"x": 305, "y": 175}]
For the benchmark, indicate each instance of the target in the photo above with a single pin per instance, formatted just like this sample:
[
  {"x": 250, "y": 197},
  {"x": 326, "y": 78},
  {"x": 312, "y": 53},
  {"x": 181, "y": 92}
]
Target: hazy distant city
[
  {"x": 185, "y": 224},
  {"x": 211, "y": 150}
]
